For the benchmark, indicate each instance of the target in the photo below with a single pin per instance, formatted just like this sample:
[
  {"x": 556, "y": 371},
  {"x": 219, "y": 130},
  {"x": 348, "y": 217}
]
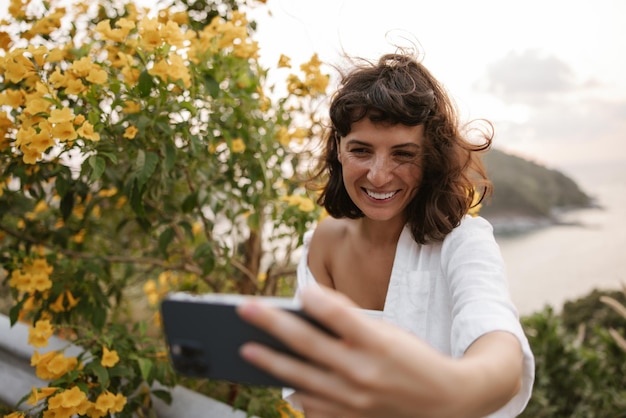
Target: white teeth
[{"x": 379, "y": 196}]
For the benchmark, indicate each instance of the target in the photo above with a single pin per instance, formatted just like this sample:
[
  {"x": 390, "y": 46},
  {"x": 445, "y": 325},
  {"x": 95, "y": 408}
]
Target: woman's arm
[{"x": 374, "y": 369}]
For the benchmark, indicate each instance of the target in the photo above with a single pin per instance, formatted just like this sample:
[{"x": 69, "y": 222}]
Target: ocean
[{"x": 554, "y": 264}]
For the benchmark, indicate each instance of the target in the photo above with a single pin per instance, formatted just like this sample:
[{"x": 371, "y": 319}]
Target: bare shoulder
[
  {"x": 330, "y": 229},
  {"x": 328, "y": 236}
]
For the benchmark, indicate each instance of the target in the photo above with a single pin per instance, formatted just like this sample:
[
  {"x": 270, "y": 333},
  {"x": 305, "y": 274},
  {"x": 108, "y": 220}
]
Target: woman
[{"x": 401, "y": 180}]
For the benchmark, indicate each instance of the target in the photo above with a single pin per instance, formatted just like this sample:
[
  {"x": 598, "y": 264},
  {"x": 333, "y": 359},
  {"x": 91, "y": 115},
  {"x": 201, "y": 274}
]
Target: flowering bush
[{"x": 141, "y": 152}]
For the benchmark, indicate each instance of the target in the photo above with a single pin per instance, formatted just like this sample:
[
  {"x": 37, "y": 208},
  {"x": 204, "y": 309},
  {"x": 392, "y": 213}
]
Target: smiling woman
[{"x": 399, "y": 179}]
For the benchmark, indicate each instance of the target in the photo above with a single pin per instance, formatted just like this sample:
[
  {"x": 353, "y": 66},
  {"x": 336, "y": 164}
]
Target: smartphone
[{"x": 204, "y": 334}]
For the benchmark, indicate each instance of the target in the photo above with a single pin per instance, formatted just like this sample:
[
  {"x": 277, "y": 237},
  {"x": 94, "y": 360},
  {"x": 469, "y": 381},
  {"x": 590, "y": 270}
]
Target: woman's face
[{"x": 382, "y": 167}]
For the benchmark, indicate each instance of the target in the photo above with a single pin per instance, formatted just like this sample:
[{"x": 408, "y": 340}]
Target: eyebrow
[{"x": 366, "y": 144}]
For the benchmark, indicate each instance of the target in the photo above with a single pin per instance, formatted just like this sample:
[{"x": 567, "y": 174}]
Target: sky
[{"x": 550, "y": 74}]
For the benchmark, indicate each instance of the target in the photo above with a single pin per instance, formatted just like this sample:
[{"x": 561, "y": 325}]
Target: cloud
[
  {"x": 564, "y": 117},
  {"x": 528, "y": 77}
]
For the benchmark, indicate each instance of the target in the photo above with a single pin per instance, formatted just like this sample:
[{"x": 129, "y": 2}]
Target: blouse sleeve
[{"x": 481, "y": 303}]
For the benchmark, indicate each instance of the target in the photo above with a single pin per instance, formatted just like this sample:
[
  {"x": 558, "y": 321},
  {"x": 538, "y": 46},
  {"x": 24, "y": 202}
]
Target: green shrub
[{"x": 580, "y": 369}]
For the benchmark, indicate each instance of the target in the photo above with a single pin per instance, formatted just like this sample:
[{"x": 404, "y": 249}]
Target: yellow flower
[
  {"x": 39, "y": 394},
  {"x": 108, "y": 402},
  {"x": 38, "y": 105},
  {"x": 69, "y": 403},
  {"x": 71, "y": 300},
  {"x": 52, "y": 365},
  {"x": 130, "y": 132},
  {"x": 75, "y": 86},
  {"x": 303, "y": 203},
  {"x": 55, "y": 55},
  {"x": 5, "y": 41},
  {"x": 79, "y": 237},
  {"x": 97, "y": 75},
  {"x": 150, "y": 37},
  {"x": 284, "y": 61},
  {"x": 182, "y": 18},
  {"x": 57, "y": 306},
  {"x": 197, "y": 228},
  {"x": 283, "y": 136},
  {"x": 12, "y": 97},
  {"x": 238, "y": 146},
  {"x": 61, "y": 115},
  {"x": 108, "y": 192},
  {"x": 109, "y": 358},
  {"x": 82, "y": 67},
  {"x": 38, "y": 54},
  {"x": 34, "y": 276},
  {"x": 41, "y": 206},
  {"x": 64, "y": 131},
  {"x": 42, "y": 141},
  {"x": 150, "y": 289},
  {"x": 131, "y": 107},
  {"x": 86, "y": 131},
  {"x": 58, "y": 79},
  {"x": 124, "y": 26},
  {"x": 78, "y": 120},
  {"x": 171, "y": 34},
  {"x": 17, "y": 9},
  {"x": 287, "y": 411},
  {"x": 17, "y": 414},
  {"x": 39, "y": 334},
  {"x": 121, "y": 202},
  {"x": 17, "y": 67},
  {"x": 306, "y": 205}
]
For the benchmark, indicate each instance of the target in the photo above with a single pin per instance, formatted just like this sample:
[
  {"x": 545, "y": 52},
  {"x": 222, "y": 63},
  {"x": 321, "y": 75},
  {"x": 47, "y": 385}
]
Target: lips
[{"x": 380, "y": 196}]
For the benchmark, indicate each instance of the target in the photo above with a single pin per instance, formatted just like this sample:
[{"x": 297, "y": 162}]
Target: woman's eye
[
  {"x": 407, "y": 155},
  {"x": 359, "y": 150}
]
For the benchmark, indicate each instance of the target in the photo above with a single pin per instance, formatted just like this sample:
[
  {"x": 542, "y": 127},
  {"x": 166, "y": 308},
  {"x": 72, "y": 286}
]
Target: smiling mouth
[{"x": 380, "y": 196}]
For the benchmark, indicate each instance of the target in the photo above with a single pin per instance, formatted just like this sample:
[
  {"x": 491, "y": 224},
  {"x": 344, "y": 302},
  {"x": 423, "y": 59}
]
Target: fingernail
[
  {"x": 248, "y": 351},
  {"x": 249, "y": 309}
]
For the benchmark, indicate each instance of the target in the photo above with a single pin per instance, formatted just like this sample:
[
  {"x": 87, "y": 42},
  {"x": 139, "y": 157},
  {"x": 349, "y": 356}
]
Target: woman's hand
[{"x": 374, "y": 369}]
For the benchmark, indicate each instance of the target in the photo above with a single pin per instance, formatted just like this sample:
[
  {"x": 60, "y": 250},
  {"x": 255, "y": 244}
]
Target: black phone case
[{"x": 204, "y": 341}]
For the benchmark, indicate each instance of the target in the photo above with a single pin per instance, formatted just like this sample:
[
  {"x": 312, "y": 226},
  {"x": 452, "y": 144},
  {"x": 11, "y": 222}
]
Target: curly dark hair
[{"x": 398, "y": 89}]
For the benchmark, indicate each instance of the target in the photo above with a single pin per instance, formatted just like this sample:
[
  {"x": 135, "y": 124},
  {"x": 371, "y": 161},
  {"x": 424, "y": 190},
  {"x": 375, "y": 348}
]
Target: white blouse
[{"x": 449, "y": 294}]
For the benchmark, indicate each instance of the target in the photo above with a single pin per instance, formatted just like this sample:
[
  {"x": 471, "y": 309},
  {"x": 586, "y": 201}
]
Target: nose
[{"x": 381, "y": 171}]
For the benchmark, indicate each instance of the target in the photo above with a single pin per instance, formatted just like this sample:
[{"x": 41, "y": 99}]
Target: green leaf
[
  {"x": 112, "y": 157},
  {"x": 14, "y": 312},
  {"x": 61, "y": 185},
  {"x": 211, "y": 85},
  {"x": 97, "y": 165},
  {"x": 101, "y": 373},
  {"x": 164, "y": 395},
  {"x": 190, "y": 202},
  {"x": 204, "y": 254},
  {"x": 136, "y": 201},
  {"x": 95, "y": 268},
  {"x": 196, "y": 145},
  {"x": 188, "y": 228},
  {"x": 165, "y": 239},
  {"x": 146, "y": 164},
  {"x": 145, "y": 366},
  {"x": 67, "y": 204},
  {"x": 145, "y": 84},
  {"x": 170, "y": 156},
  {"x": 202, "y": 250},
  {"x": 99, "y": 316}
]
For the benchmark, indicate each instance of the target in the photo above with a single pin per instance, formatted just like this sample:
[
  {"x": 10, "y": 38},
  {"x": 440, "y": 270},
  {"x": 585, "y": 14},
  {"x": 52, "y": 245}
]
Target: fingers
[
  {"x": 298, "y": 334},
  {"x": 300, "y": 374},
  {"x": 340, "y": 315}
]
